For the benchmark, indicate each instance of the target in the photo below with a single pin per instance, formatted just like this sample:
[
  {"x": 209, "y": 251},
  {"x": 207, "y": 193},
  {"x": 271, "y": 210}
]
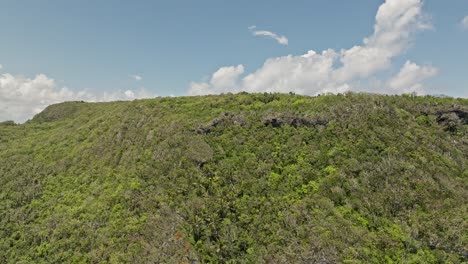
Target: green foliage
[
  {"x": 8, "y": 123},
  {"x": 245, "y": 178}
]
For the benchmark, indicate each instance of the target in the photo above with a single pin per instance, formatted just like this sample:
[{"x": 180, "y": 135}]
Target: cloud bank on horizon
[
  {"x": 334, "y": 71},
  {"x": 21, "y": 98}
]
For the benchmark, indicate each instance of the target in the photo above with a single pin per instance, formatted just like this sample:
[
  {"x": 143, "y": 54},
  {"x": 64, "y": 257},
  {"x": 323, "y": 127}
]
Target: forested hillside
[{"x": 245, "y": 178}]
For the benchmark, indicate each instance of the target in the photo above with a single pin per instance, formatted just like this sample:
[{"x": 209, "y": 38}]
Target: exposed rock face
[
  {"x": 278, "y": 120},
  {"x": 452, "y": 119},
  {"x": 273, "y": 119},
  {"x": 227, "y": 118}
]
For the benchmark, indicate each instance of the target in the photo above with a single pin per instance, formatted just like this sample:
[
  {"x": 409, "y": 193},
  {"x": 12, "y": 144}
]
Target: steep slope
[{"x": 246, "y": 178}]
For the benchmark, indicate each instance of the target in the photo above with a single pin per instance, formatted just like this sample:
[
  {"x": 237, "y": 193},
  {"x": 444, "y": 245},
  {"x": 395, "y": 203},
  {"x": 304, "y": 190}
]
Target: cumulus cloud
[
  {"x": 223, "y": 80},
  {"x": 396, "y": 22},
  {"x": 410, "y": 78},
  {"x": 121, "y": 95},
  {"x": 280, "y": 39},
  {"x": 464, "y": 22},
  {"x": 1, "y": 66},
  {"x": 21, "y": 98},
  {"x": 137, "y": 77}
]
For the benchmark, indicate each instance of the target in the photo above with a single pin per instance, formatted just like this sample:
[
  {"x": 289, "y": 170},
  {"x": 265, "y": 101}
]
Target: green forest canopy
[{"x": 244, "y": 178}]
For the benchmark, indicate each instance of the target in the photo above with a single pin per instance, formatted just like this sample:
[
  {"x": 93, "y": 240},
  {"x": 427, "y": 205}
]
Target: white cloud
[
  {"x": 137, "y": 77},
  {"x": 121, "y": 95},
  {"x": 21, "y": 98},
  {"x": 129, "y": 94},
  {"x": 464, "y": 22},
  {"x": 334, "y": 71},
  {"x": 410, "y": 78},
  {"x": 1, "y": 66},
  {"x": 223, "y": 80},
  {"x": 280, "y": 39}
]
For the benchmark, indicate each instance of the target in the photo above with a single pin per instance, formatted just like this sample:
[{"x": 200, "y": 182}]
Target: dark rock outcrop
[
  {"x": 225, "y": 119},
  {"x": 452, "y": 119},
  {"x": 277, "y": 120}
]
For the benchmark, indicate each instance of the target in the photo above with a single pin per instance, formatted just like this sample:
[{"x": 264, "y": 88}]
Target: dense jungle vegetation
[{"x": 244, "y": 178}]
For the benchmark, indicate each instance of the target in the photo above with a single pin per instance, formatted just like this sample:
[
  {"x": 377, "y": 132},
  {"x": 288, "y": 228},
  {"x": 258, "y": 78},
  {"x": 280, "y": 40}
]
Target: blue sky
[{"x": 176, "y": 46}]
